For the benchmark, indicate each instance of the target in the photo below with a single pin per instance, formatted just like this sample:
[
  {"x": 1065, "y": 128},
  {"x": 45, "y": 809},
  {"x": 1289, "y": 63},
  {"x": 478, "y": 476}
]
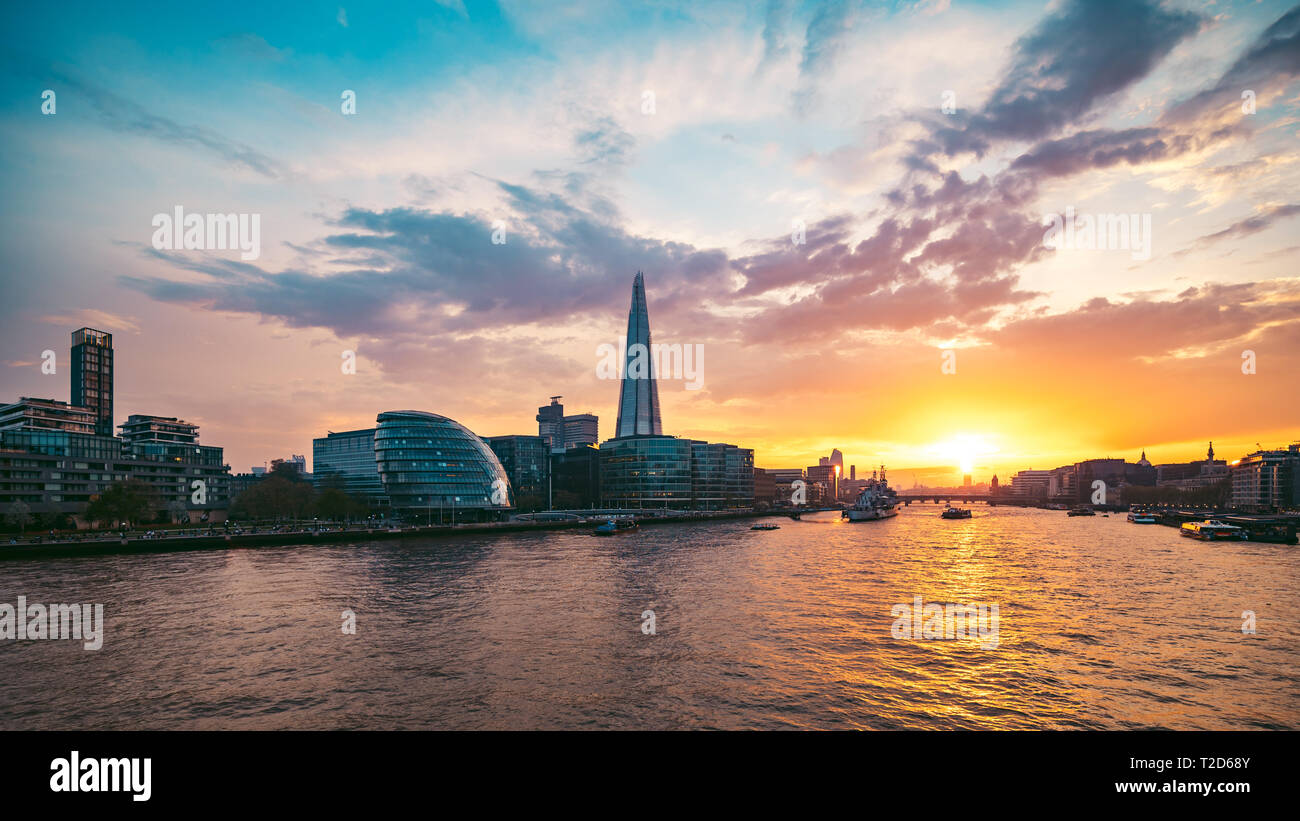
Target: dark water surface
[{"x": 1103, "y": 624}]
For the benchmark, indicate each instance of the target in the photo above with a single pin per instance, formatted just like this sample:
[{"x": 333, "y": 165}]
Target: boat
[
  {"x": 955, "y": 513},
  {"x": 876, "y": 501},
  {"x": 766, "y": 527},
  {"x": 613, "y": 527},
  {"x": 1212, "y": 530},
  {"x": 1138, "y": 517},
  {"x": 1082, "y": 510}
]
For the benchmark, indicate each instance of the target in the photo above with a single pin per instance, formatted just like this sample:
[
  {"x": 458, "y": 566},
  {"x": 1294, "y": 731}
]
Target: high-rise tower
[
  {"x": 92, "y": 376},
  {"x": 638, "y": 399}
]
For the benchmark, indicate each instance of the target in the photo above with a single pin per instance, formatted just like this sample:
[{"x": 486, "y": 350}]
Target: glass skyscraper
[
  {"x": 646, "y": 472},
  {"x": 348, "y": 459},
  {"x": 92, "y": 376},
  {"x": 428, "y": 462},
  {"x": 638, "y": 401}
]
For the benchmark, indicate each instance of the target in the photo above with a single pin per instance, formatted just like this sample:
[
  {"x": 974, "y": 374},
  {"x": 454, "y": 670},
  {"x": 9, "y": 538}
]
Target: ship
[
  {"x": 1212, "y": 530},
  {"x": 956, "y": 513},
  {"x": 612, "y": 527},
  {"x": 876, "y": 501}
]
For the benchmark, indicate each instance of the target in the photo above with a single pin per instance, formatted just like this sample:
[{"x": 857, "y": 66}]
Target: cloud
[
  {"x": 1268, "y": 64},
  {"x": 1083, "y": 53},
  {"x": 823, "y": 40},
  {"x": 1244, "y": 228},
  {"x": 120, "y": 114}
]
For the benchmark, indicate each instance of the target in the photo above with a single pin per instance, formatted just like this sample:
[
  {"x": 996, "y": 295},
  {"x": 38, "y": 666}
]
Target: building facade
[
  {"x": 347, "y": 460},
  {"x": 526, "y": 460},
  {"x": 638, "y": 398},
  {"x": 434, "y": 466},
  {"x": 646, "y": 472},
  {"x": 1267, "y": 481},
  {"x": 92, "y": 376}
]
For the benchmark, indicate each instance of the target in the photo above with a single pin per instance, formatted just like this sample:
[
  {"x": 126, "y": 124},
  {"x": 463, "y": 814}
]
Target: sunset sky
[{"x": 682, "y": 140}]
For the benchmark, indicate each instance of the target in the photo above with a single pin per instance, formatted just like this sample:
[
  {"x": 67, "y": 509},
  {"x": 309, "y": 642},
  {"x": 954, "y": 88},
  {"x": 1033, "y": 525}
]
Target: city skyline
[{"x": 921, "y": 224}]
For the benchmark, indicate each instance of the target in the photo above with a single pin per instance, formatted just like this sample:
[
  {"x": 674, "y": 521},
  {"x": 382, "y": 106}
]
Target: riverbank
[{"x": 113, "y": 545}]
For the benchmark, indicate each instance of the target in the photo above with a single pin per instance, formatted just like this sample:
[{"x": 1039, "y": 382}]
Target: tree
[
  {"x": 127, "y": 501},
  {"x": 21, "y": 514},
  {"x": 178, "y": 512},
  {"x": 333, "y": 504},
  {"x": 275, "y": 497}
]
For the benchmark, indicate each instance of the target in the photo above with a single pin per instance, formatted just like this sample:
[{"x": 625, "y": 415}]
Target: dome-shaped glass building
[{"x": 434, "y": 466}]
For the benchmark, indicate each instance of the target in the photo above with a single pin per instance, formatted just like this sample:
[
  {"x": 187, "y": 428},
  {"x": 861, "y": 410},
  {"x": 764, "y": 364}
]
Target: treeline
[{"x": 284, "y": 494}]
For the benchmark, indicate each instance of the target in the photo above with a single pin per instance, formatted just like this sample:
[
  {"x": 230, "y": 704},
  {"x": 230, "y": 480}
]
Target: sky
[{"x": 847, "y": 205}]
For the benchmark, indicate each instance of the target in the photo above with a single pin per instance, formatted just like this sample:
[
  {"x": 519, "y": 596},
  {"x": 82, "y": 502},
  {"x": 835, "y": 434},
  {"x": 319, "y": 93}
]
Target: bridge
[{"x": 964, "y": 497}]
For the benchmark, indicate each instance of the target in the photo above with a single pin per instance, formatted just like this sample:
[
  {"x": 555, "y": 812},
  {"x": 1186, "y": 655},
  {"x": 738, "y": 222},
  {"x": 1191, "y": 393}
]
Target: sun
[{"x": 961, "y": 450}]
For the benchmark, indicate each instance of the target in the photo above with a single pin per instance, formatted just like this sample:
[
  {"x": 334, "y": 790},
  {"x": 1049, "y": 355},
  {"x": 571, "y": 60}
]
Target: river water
[{"x": 1101, "y": 624}]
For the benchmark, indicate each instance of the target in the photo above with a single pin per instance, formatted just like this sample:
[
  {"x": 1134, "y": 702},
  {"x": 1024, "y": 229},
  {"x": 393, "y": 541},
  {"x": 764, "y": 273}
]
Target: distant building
[
  {"x": 575, "y": 478},
  {"x": 784, "y": 481},
  {"x": 46, "y": 414},
  {"x": 1192, "y": 475},
  {"x": 526, "y": 460},
  {"x": 581, "y": 429},
  {"x": 764, "y": 487},
  {"x": 1267, "y": 480},
  {"x": 57, "y": 457},
  {"x": 722, "y": 476},
  {"x": 550, "y": 423},
  {"x": 432, "y": 466},
  {"x": 1031, "y": 484},
  {"x": 296, "y": 462},
  {"x": 646, "y": 472},
  {"x": 347, "y": 460},
  {"x": 92, "y": 376},
  {"x": 638, "y": 398}
]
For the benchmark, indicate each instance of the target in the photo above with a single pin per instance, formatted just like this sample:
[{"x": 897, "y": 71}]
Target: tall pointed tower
[{"x": 638, "y": 398}]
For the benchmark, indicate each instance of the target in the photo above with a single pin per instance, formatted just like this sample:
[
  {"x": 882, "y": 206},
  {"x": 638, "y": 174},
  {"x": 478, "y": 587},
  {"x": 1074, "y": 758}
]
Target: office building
[
  {"x": 526, "y": 461},
  {"x": 575, "y": 478},
  {"x": 1267, "y": 481},
  {"x": 432, "y": 466},
  {"x": 581, "y": 429},
  {"x": 646, "y": 472},
  {"x": 550, "y": 423},
  {"x": 46, "y": 414},
  {"x": 638, "y": 399},
  {"x": 346, "y": 460},
  {"x": 92, "y": 376}
]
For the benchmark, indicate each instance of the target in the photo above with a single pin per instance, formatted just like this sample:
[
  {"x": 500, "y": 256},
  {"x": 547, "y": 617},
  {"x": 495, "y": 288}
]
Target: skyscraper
[
  {"x": 92, "y": 376},
  {"x": 550, "y": 424},
  {"x": 638, "y": 400}
]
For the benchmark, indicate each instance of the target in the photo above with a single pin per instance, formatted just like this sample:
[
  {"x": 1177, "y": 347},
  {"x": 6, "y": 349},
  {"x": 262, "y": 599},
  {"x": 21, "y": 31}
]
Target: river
[{"x": 1101, "y": 624}]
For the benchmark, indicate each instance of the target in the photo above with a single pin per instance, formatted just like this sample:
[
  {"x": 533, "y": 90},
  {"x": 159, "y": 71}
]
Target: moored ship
[
  {"x": 1212, "y": 530},
  {"x": 876, "y": 501}
]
